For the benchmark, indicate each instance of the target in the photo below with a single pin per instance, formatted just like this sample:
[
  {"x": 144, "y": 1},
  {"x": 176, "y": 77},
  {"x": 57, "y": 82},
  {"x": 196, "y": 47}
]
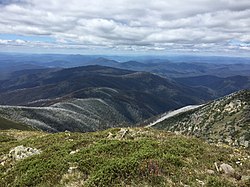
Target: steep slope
[
  {"x": 118, "y": 157},
  {"x": 224, "y": 120}
]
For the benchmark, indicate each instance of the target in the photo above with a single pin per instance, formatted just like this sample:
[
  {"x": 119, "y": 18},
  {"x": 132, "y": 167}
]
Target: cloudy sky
[{"x": 126, "y": 26}]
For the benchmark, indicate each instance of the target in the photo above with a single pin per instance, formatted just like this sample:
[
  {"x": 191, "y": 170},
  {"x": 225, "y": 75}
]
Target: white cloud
[
  {"x": 4, "y": 42},
  {"x": 137, "y": 25}
]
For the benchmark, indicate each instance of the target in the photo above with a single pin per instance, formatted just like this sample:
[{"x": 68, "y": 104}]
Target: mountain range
[
  {"x": 91, "y": 97},
  {"x": 168, "y": 66},
  {"x": 54, "y": 93}
]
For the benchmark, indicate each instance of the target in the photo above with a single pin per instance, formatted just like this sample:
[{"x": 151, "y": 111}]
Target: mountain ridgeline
[
  {"x": 225, "y": 120},
  {"x": 90, "y": 98},
  {"x": 31, "y": 86}
]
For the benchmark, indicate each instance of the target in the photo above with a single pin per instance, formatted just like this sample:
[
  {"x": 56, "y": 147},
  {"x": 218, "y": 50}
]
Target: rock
[
  {"x": 177, "y": 132},
  {"x": 227, "y": 169},
  {"x": 73, "y": 152},
  {"x": 110, "y": 135},
  {"x": 216, "y": 167},
  {"x": 200, "y": 182},
  {"x": 21, "y": 152},
  {"x": 184, "y": 185},
  {"x": 72, "y": 169},
  {"x": 243, "y": 142},
  {"x": 210, "y": 172},
  {"x": 245, "y": 177},
  {"x": 239, "y": 162},
  {"x": 3, "y": 160},
  {"x": 121, "y": 134},
  {"x": 236, "y": 143},
  {"x": 246, "y": 144},
  {"x": 229, "y": 140}
]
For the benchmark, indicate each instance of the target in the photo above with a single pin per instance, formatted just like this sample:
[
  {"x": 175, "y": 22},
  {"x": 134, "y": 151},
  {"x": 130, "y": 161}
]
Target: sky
[{"x": 215, "y": 27}]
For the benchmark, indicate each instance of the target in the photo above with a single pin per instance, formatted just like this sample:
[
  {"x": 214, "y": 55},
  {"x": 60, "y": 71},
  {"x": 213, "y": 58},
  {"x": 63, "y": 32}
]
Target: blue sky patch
[{"x": 26, "y": 38}]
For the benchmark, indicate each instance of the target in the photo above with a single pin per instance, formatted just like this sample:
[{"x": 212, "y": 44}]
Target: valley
[{"x": 91, "y": 98}]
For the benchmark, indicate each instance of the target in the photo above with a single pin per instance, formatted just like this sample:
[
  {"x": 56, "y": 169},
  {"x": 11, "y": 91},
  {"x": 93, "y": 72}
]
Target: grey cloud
[
  {"x": 7, "y": 2},
  {"x": 138, "y": 25}
]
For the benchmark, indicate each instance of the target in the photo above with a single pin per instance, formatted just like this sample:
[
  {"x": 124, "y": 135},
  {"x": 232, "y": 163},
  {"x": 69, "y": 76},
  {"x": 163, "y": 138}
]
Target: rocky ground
[
  {"x": 226, "y": 120},
  {"x": 118, "y": 157}
]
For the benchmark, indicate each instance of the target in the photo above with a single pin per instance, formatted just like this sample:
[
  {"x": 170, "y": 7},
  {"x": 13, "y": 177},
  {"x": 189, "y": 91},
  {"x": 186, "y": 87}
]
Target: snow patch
[{"x": 173, "y": 113}]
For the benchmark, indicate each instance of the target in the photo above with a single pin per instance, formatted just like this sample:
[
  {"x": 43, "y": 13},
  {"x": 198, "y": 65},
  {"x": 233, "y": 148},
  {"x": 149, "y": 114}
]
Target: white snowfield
[{"x": 173, "y": 113}]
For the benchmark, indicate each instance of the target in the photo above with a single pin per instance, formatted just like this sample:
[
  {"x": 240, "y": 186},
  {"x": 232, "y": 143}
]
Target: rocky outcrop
[
  {"x": 227, "y": 169},
  {"x": 21, "y": 152},
  {"x": 226, "y": 120},
  {"x": 18, "y": 153}
]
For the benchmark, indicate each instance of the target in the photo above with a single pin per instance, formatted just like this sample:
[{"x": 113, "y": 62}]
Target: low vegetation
[
  {"x": 225, "y": 120},
  {"x": 118, "y": 157}
]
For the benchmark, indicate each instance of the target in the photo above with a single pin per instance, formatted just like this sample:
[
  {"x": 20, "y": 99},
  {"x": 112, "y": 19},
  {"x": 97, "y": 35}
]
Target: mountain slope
[
  {"x": 117, "y": 157},
  {"x": 99, "y": 108},
  {"x": 8, "y": 124},
  {"x": 30, "y": 86},
  {"x": 90, "y": 98},
  {"x": 224, "y": 120},
  {"x": 188, "y": 69},
  {"x": 75, "y": 115}
]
